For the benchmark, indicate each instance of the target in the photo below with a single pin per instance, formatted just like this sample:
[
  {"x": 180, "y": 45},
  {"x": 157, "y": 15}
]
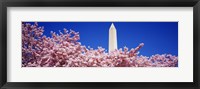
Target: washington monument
[{"x": 112, "y": 38}]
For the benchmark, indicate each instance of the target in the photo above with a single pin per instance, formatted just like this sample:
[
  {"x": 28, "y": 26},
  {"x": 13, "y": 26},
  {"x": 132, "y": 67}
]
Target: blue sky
[{"x": 158, "y": 37}]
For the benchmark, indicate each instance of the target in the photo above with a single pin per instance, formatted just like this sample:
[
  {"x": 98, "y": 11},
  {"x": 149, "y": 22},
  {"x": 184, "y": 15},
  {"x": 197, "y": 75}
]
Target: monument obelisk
[{"x": 112, "y": 38}]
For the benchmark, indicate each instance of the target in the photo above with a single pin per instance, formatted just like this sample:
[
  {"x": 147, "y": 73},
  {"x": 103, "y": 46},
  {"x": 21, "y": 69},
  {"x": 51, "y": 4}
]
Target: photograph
[{"x": 99, "y": 44}]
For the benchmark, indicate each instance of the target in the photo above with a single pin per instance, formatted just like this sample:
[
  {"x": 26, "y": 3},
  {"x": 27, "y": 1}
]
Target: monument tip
[{"x": 112, "y": 25}]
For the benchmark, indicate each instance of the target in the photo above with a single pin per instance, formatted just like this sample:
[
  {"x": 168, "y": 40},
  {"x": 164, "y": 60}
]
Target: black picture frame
[{"x": 98, "y": 3}]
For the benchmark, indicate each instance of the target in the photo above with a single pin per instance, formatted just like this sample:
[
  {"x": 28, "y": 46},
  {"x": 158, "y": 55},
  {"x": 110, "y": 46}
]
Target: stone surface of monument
[{"x": 112, "y": 38}]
